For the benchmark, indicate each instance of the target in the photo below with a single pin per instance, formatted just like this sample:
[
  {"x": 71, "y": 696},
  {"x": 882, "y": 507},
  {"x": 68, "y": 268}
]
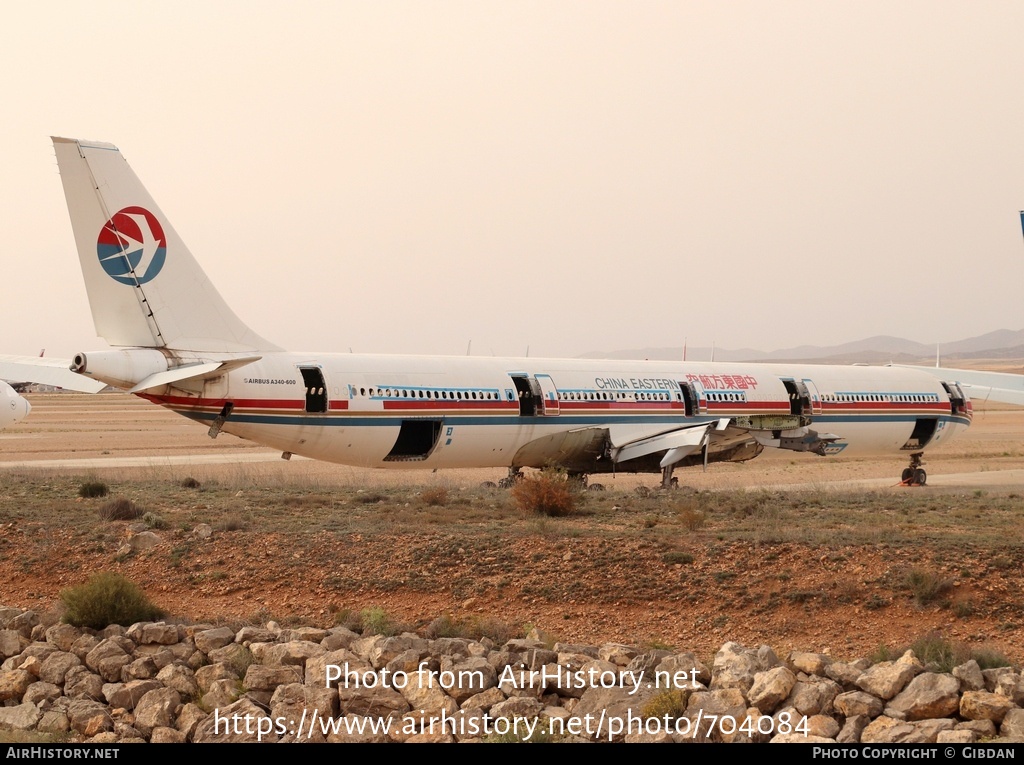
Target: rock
[
  {"x": 857, "y": 703},
  {"x": 888, "y": 678},
  {"x": 926, "y": 696},
  {"x": 734, "y": 667},
  {"x": 21, "y": 717},
  {"x": 157, "y": 709},
  {"x": 982, "y": 705},
  {"x": 808, "y": 663},
  {"x": 14, "y": 683},
  {"x": 209, "y": 640},
  {"x": 771, "y": 688},
  {"x": 970, "y": 676}
]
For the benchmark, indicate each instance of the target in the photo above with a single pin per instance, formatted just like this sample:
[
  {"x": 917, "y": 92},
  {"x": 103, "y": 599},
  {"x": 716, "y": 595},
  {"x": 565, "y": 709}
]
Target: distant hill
[{"x": 1003, "y": 343}]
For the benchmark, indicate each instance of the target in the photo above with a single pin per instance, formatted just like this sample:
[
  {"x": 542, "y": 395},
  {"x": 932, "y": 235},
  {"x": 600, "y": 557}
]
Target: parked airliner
[{"x": 178, "y": 344}]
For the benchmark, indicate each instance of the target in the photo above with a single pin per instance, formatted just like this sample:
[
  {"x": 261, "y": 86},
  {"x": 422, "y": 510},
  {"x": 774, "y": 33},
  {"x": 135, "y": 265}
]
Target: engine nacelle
[
  {"x": 122, "y": 369},
  {"x": 13, "y": 408}
]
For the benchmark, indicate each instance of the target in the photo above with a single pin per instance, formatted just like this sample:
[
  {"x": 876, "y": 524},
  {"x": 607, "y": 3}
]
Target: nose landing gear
[{"x": 914, "y": 475}]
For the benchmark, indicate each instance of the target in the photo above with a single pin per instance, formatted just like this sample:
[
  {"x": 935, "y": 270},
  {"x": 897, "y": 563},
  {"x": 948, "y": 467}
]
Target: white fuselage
[{"x": 444, "y": 412}]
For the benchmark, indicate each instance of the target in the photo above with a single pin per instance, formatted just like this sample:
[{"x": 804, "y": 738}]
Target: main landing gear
[
  {"x": 914, "y": 475},
  {"x": 667, "y": 481},
  {"x": 514, "y": 474}
]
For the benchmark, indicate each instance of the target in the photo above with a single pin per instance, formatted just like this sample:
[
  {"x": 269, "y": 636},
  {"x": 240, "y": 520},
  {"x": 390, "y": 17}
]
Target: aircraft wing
[
  {"x": 46, "y": 371},
  {"x": 1004, "y": 387},
  {"x": 600, "y": 449}
]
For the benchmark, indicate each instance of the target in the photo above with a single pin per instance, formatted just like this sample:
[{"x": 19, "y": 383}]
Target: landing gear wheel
[
  {"x": 920, "y": 477},
  {"x": 577, "y": 480},
  {"x": 907, "y": 476}
]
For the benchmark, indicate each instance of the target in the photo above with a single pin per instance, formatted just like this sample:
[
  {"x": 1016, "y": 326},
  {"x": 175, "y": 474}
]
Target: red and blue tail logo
[{"x": 131, "y": 246}]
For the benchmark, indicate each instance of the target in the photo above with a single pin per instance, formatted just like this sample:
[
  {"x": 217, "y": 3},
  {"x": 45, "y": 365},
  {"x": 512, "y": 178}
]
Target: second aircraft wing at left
[{"x": 46, "y": 371}]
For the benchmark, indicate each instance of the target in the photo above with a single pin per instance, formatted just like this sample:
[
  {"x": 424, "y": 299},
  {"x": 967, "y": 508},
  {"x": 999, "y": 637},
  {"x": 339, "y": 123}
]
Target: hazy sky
[{"x": 404, "y": 177}]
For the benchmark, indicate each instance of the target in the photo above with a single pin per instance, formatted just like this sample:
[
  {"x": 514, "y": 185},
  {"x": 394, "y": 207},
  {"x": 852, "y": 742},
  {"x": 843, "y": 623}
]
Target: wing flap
[{"x": 677, "y": 444}]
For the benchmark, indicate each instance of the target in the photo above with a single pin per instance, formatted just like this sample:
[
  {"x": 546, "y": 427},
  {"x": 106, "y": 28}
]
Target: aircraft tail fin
[{"x": 145, "y": 288}]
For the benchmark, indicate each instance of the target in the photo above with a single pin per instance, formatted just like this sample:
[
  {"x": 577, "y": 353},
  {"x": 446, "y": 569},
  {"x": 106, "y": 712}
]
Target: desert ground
[{"x": 796, "y": 551}]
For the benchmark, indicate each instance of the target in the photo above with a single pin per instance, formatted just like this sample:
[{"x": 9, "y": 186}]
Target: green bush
[
  {"x": 105, "y": 599},
  {"x": 377, "y": 621}
]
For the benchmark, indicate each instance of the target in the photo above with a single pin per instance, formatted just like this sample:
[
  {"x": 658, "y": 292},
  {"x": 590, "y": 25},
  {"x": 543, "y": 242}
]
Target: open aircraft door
[
  {"x": 813, "y": 396},
  {"x": 695, "y": 400},
  {"x": 549, "y": 396}
]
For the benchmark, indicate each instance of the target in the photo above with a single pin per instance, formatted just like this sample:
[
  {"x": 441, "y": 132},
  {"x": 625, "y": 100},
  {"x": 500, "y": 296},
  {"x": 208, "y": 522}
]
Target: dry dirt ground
[{"x": 796, "y": 551}]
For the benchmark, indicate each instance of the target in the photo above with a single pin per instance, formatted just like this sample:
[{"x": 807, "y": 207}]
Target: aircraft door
[
  {"x": 695, "y": 401},
  {"x": 316, "y": 389},
  {"x": 813, "y": 396},
  {"x": 957, "y": 399},
  {"x": 549, "y": 396},
  {"x": 529, "y": 394}
]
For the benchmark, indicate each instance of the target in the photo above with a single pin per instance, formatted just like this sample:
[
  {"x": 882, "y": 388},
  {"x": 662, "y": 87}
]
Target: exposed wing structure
[{"x": 46, "y": 371}]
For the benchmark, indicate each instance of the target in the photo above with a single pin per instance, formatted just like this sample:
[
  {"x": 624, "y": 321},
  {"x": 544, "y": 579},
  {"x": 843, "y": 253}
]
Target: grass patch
[
  {"x": 943, "y": 654},
  {"x": 120, "y": 509},
  {"x": 377, "y": 621},
  {"x": 677, "y": 556},
  {"x": 691, "y": 518},
  {"x": 231, "y": 523},
  {"x": 105, "y": 599},
  {"x": 925, "y": 586},
  {"x": 436, "y": 496},
  {"x": 155, "y": 521},
  {"x": 473, "y": 628}
]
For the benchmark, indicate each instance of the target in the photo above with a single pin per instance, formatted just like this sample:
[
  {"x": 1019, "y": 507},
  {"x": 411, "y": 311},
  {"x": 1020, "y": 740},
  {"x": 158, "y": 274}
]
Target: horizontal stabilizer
[
  {"x": 46, "y": 371},
  {"x": 202, "y": 371}
]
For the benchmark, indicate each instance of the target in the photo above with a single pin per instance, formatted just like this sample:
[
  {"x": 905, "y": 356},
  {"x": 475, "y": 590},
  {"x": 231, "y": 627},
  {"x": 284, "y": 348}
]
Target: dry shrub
[
  {"x": 120, "y": 509},
  {"x": 472, "y": 628},
  {"x": 434, "y": 496},
  {"x": 927, "y": 586},
  {"x": 105, "y": 599},
  {"x": 691, "y": 518},
  {"x": 547, "y": 493},
  {"x": 93, "y": 489},
  {"x": 668, "y": 703}
]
